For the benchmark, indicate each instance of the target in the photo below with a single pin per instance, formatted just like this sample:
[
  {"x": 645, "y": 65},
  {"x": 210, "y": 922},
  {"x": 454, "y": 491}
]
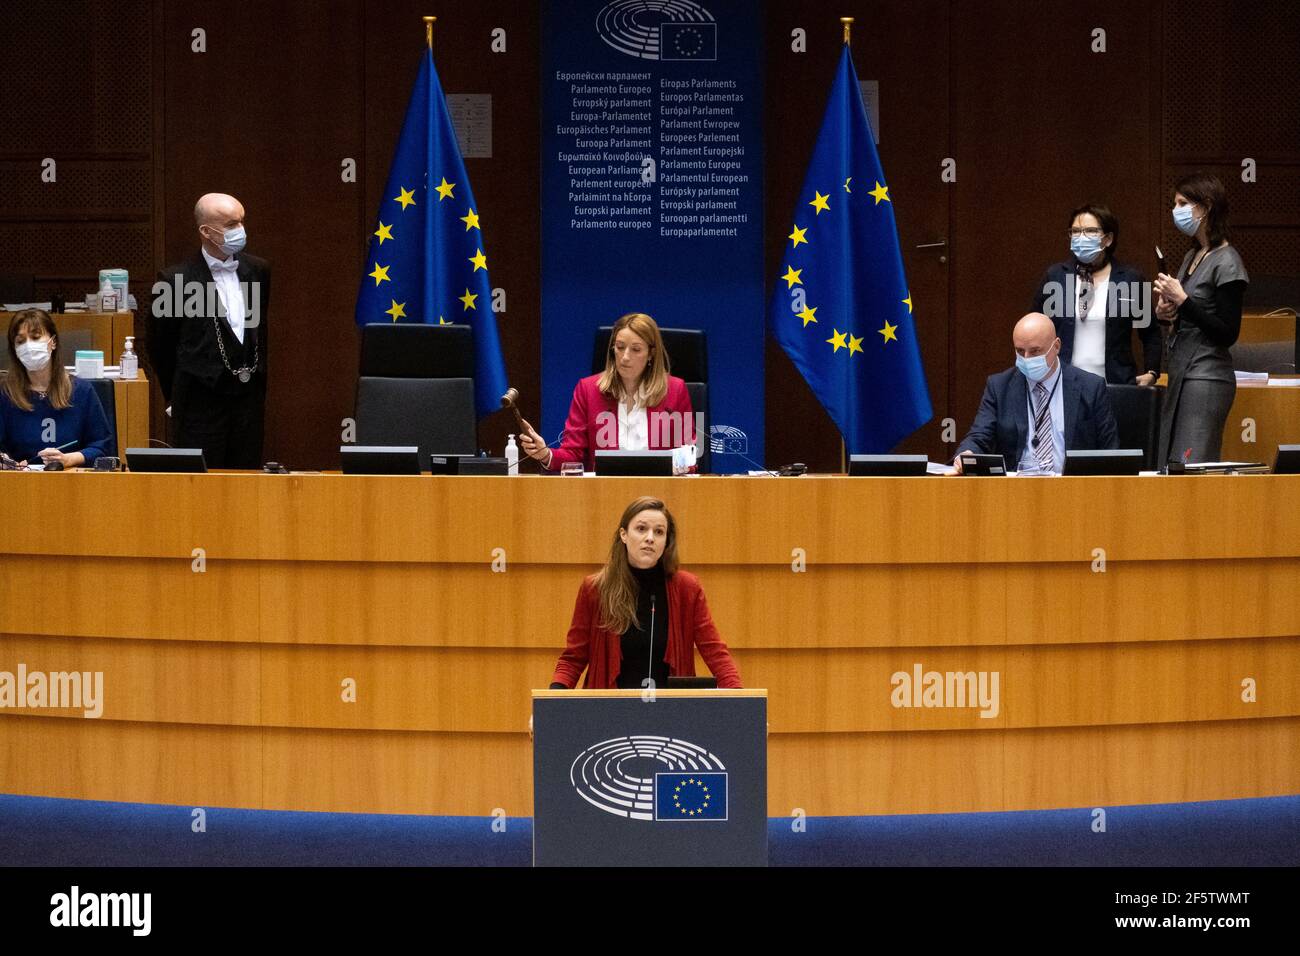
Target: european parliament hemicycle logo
[
  {"x": 659, "y": 29},
  {"x": 694, "y": 787}
]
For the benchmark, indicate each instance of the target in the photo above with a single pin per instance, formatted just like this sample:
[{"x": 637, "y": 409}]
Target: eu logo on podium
[{"x": 690, "y": 796}]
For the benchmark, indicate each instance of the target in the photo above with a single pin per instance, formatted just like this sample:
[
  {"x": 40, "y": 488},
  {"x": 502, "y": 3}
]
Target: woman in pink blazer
[{"x": 634, "y": 404}]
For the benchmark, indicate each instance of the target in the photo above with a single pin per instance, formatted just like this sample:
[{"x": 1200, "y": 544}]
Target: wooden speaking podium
[{"x": 676, "y": 779}]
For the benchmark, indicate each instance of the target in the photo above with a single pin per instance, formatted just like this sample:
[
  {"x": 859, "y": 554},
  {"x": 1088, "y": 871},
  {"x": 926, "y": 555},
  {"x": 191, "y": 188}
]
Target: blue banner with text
[{"x": 652, "y": 196}]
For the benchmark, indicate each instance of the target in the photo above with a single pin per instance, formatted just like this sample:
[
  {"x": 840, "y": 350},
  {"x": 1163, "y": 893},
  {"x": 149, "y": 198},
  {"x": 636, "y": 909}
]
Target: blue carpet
[{"x": 44, "y": 831}]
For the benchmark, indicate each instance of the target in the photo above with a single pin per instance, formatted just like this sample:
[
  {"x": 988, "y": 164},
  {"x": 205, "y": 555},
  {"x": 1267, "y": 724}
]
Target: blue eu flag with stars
[
  {"x": 688, "y": 795},
  {"x": 426, "y": 261},
  {"x": 841, "y": 309}
]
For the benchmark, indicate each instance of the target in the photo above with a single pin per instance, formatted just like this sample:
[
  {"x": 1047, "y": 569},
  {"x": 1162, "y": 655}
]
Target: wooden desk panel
[
  {"x": 1275, "y": 412},
  {"x": 821, "y": 774},
  {"x": 132, "y": 401},
  {"x": 485, "y": 690},
  {"x": 310, "y": 579},
  {"x": 1276, "y": 325}
]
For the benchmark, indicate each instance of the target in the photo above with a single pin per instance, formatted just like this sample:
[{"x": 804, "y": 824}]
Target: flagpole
[
  {"x": 428, "y": 30},
  {"x": 844, "y": 457}
]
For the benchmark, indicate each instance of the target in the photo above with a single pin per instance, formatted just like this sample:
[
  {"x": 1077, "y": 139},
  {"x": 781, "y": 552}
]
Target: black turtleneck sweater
[{"x": 638, "y": 655}]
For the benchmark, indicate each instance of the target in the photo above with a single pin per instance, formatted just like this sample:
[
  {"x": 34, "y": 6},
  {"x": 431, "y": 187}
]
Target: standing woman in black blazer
[
  {"x": 1201, "y": 309},
  {"x": 1097, "y": 303}
]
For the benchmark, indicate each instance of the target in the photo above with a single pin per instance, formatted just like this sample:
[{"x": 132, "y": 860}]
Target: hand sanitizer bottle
[
  {"x": 512, "y": 456},
  {"x": 129, "y": 364},
  {"x": 107, "y": 297}
]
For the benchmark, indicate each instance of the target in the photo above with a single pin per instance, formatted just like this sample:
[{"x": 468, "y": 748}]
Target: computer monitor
[
  {"x": 446, "y": 464},
  {"x": 483, "y": 465},
  {"x": 692, "y": 683},
  {"x": 640, "y": 464},
  {"x": 380, "y": 459},
  {"x": 1287, "y": 461},
  {"x": 186, "y": 460},
  {"x": 1105, "y": 461},
  {"x": 886, "y": 465},
  {"x": 982, "y": 465}
]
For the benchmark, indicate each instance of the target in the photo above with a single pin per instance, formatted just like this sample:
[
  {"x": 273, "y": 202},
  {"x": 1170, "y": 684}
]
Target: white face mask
[{"x": 34, "y": 355}]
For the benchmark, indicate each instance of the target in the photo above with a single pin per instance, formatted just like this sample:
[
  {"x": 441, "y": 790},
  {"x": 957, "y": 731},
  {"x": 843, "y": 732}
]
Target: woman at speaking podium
[
  {"x": 641, "y": 617},
  {"x": 633, "y": 404},
  {"x": 46, "y": 415}
]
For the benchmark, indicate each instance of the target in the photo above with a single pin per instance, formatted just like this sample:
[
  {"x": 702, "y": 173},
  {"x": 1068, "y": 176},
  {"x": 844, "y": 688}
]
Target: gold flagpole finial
[
  {"x": 848, "y": 25},
  {"x": 428, "y": 30}
]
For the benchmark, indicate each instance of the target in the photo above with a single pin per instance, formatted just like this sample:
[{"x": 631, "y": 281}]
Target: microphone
[{"x": 649, "y": 673}]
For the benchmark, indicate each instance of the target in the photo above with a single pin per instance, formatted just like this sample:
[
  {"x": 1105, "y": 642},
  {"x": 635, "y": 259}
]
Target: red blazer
[
  {"x": 588, "y": 429},
  {"x": 599, "y": 651}
]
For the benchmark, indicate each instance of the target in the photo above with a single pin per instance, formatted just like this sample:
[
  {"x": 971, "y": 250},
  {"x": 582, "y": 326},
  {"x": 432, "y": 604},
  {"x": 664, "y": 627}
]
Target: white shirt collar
[{"x": 217, "y": 265}]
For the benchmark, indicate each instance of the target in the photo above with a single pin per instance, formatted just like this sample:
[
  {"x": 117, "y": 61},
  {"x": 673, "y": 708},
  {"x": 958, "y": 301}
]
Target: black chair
[
  {"x": 436, "y": 414},
  {"x": 688, "y": 359},
  {"x": 108, "y": 399},
  {"x": 416, "y": 387},
  {"x": 412, "y": 350},
  {"x": 1276, "y": 358},
  {"x": 1268, "y": 293},
  {"x": 1137, "y": 416}
]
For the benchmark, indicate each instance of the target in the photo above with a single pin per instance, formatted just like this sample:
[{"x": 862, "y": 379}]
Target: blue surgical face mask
[
  {"x": 233, "y": 240},
  {"x": 1034, "y": 367},
  {"x": 1186, "y": 220},
  {"x": 1086, "y": 248}
]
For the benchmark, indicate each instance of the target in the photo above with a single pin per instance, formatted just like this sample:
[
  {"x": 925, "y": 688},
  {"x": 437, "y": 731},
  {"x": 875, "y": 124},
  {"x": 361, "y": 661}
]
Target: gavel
[{"x": 508, "y": 400}]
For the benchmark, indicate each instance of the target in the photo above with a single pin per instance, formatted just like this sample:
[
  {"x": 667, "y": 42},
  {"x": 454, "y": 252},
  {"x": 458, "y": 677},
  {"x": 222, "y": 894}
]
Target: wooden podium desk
[{"x": 367, "y": 643}]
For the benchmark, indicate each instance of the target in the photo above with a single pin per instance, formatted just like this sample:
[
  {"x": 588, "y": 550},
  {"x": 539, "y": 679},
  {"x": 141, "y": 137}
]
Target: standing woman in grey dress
[{"x": 1201, "y": 313}]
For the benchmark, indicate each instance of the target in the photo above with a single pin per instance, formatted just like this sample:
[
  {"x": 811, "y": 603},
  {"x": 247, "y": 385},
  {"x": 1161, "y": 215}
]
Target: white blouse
[
  {"x": 1089, "y": 351},
  {"x": 634, "y": 424}
]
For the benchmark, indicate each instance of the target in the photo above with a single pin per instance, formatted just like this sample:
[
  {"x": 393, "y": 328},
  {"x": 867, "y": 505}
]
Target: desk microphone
[{"x": 650, "y": 680}]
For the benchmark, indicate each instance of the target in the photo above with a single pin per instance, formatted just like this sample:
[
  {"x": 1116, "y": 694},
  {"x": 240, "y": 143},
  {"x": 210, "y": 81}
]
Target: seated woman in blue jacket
[
  {"x": 45, "y": 413},
  {"x": 1097, "y": 303}
]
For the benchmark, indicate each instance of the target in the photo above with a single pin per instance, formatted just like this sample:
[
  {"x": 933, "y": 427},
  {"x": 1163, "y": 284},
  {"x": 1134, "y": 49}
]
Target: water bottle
[
  {"x": 512, "y": 456},
  {"x": 129, "y": 364}
]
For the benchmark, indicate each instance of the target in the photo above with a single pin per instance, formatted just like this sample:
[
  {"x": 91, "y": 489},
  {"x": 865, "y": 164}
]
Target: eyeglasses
[{"x": 1087, "y": 233}]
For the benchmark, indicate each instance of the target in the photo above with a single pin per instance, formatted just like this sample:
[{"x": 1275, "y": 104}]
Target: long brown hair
[
  {"x": 615, "y": 585},
  {"x": 17, "y": 384},
  {"x": 655, "y": 377}
]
